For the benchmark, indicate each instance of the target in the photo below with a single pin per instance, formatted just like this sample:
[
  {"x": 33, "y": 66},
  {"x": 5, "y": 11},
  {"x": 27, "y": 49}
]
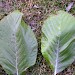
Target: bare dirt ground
[{"x": 35, "y": 12}]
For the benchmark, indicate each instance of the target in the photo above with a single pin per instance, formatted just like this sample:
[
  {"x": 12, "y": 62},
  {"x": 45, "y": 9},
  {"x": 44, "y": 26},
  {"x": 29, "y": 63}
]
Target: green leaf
[
  {"x": 18, "y": 45},
  {"x": 58, "y": 41}
]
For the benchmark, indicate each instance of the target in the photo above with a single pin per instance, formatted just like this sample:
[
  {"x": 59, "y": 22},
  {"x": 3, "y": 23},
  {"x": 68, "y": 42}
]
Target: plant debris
[{"x": 35, "y": 12}]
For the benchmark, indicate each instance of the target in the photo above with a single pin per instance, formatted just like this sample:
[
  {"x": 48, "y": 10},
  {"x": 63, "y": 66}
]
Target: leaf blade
[
  {"x": 53, "y": 31},
  {"x": 18, "y": 45}
]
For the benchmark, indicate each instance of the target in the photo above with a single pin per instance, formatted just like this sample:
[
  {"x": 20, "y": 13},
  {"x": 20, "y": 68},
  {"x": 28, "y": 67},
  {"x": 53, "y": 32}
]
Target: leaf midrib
[{"x": 57, "y": 57}]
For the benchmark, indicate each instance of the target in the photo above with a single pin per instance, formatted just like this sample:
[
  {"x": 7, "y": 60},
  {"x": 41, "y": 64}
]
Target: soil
[{"x": 35, "y": 12}]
